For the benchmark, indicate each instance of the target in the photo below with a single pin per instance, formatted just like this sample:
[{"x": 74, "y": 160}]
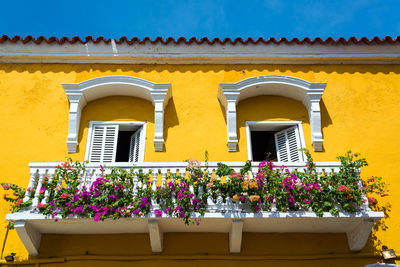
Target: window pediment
[
  {"x": 79, "y": 94},
  {"x": 308, "y": 93}
]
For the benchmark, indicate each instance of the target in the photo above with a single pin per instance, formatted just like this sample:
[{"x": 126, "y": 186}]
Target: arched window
[
  {"x": 308, "y": 93},
  {"x": 79, "y": 94}
]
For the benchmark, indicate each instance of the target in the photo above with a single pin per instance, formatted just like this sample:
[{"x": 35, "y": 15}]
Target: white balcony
[{"x": 221, "y": 217}]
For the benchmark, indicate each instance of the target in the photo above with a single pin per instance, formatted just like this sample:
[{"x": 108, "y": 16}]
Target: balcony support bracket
[
  {"x": 359, "y": 235},
  {"x": 156, "y": 236},
  {"x": 29, "y": 236},
  {"x": 235, "y": 236}
]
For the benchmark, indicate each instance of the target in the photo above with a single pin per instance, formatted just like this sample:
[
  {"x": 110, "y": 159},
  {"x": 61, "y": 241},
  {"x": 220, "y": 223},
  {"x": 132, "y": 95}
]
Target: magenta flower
[
  {"x": 112, "y": 197},
  {"x": 158, "y": 213}
]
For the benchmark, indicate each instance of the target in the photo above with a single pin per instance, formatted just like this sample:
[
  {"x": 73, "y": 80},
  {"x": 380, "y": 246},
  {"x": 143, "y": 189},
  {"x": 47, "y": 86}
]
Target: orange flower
[
  {"x": 245, "y": 185},
  {"x": 254, "y": 198},
  {"x": 235, "y": 198},
  {"x": 253, "y": 184},
  {"x": 209, "y": 185}
]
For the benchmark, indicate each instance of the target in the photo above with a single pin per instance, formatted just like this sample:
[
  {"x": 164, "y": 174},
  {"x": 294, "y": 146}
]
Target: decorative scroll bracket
[
  {"x": 79, "y": 94},
  {"x": 309, "y": 94}
]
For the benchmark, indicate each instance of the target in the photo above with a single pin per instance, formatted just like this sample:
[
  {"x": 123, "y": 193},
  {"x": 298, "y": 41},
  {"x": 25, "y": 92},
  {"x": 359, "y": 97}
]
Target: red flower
[
  {"x": 343, "y": 188},
  {"x": 372, "y": 201},
  {"x": 40, "y": 205},
  {"x": 64, "y": 196},
  {"x": 19, "y": 202}
]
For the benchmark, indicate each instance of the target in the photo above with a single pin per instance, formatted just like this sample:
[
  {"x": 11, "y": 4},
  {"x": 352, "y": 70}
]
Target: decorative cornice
[{"x": 238, "y": 51}]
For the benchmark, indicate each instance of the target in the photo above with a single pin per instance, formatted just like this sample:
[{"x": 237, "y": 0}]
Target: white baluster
[
  {"x": 41, "y": 173},
  {"x": 33, "y": 182}
]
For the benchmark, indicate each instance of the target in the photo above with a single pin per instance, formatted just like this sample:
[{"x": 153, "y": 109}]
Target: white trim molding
[
  {"x": 308, "y": 93},
  {"x": 79, "y": 94}
]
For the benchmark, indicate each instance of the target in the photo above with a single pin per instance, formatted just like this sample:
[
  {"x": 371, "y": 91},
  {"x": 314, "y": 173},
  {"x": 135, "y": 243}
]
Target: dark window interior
[
  {"x": 263, "y": 146},
  {"x": 123, "y": 146}
]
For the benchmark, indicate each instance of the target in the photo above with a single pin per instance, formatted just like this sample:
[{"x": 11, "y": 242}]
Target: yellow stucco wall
[{"x": 359, "y": 112}]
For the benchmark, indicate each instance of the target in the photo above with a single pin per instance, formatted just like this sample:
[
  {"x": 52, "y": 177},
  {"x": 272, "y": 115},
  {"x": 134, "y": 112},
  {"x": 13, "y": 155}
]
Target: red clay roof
[{"x": 204, "y": 40}]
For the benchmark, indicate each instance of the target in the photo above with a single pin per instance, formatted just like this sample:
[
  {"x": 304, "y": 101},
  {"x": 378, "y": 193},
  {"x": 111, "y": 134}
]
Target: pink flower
[
  {"x": 6, "y": 186},
  {"x": 19, "y": 202}
]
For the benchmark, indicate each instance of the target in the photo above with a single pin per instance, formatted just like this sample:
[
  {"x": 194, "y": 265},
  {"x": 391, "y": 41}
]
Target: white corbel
[
  {"x": 79, "y": 94},
  {"x": 160, "y": 99},
  {"x": 311, "y": 101},
  {"x": 229, "y": 99},
  {"x": 29, "y": 236},
  {"x": 357, "y": 238},
  {"x": 235, "y": 236},
  {"x": 156, "y": 236},
  {"x": 230, "y": 94},
  {"x": 76, "y": 103}
]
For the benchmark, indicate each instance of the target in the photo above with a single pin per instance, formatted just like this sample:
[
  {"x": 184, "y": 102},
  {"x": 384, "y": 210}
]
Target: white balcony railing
[{"x": 221, "y": 217}]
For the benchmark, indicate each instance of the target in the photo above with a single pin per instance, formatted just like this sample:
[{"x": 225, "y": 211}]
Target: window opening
[
  {"x": 115, "y": 142},
  {"x": 263, "y": 144},
  {"x": 124, "y": 146},
  {"x": 275, "y": 141}
]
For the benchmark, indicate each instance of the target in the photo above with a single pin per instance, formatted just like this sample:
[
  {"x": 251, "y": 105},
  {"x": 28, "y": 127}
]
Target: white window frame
[
  {"x": 124, "y": 123},
  {"x": 266, "y": 126}
]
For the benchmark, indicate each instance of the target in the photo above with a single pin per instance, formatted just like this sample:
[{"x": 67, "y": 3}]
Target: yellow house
[{"x": 155, "y": 103}]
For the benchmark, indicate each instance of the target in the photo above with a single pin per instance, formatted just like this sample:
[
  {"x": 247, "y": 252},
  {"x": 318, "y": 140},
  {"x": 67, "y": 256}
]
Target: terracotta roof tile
[{"x": 204, "y": 40}]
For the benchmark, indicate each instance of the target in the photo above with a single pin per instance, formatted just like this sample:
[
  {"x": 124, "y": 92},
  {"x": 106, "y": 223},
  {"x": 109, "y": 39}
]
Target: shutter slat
[
  {"x": 104, "y": 143},
  {"x": 288, "y": 144},
  {"x": 135, "y": 146}
]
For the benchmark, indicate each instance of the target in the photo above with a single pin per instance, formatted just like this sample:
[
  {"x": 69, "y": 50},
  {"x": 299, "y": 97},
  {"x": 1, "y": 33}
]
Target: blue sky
[{"x": 202, "y": 18}]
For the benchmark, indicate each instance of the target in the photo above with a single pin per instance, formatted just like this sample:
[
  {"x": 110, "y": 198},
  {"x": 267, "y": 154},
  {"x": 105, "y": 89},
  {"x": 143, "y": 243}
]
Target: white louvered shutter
[
  {"x": 135, "y": 146},
  {"x": 104, "y": 143},
  {"x": 288, "y": 144}
]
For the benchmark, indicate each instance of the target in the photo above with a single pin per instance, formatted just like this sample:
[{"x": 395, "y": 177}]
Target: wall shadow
[{"x": 170, "y": 120}]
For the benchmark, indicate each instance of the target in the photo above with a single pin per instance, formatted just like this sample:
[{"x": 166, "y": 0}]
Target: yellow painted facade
[{"x": 359, "y": 110}]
